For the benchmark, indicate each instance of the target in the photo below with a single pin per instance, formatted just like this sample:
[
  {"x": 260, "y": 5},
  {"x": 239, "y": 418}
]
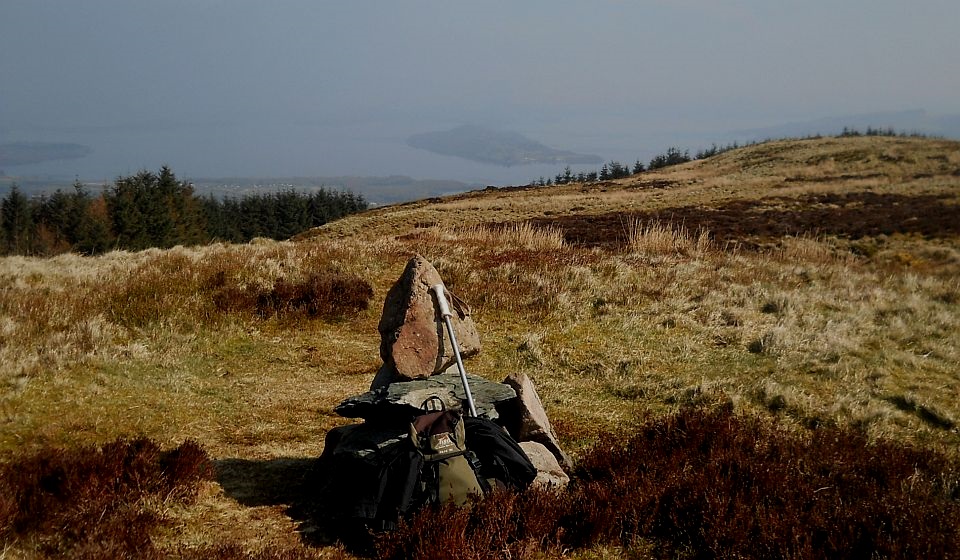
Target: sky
[{"x": 295, "y": 87}]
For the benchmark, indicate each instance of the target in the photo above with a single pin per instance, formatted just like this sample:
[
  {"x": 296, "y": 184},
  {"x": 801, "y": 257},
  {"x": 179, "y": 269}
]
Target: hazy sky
[{"x": 240, "y": 87}]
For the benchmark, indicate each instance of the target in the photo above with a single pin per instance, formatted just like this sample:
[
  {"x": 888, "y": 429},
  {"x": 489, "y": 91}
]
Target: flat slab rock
[{"x": 403, "y": 398}]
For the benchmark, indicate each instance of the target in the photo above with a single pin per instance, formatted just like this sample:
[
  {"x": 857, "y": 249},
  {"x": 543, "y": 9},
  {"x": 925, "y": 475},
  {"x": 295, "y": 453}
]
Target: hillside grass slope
[{"x": 812, "y": 283}]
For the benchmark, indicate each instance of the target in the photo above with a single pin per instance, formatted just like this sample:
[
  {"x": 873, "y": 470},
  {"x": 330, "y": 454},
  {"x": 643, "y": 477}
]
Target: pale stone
[
  {"x": 549, "y": 473},
  {"x": 414, "y": 342},
  {"x": 526, "y": 419}
]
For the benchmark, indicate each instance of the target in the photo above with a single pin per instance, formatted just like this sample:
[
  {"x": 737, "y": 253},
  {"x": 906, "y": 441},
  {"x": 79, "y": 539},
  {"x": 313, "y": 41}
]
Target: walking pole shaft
[{"x": 447, "y": 315}]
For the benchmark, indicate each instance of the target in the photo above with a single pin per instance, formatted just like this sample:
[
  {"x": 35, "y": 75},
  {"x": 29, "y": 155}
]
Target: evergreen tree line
[
  {"x": 158, "y": 210},
  {"x": 675, "y": 155},
  {"x": 880, "y": 131},
  {"x": 616, "y": 170}
]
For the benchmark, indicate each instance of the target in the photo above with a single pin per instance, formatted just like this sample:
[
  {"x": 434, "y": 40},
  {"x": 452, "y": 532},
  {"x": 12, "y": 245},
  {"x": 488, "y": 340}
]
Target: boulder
[
  {"x": 413, "y": 339},
  {"x": 402, "y": 399},
  {"x": 526, "y": 419},
  {"x": 549, "y": 473}
]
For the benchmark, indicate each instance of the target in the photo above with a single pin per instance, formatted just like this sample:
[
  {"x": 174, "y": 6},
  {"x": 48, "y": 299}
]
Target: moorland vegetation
[{"x": 749, "y": 355}]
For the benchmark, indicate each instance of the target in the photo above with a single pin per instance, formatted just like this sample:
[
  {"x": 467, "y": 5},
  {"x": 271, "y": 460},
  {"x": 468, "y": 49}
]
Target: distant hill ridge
[
  {"x": 26, "y": 153},
  {"x": 504, "y": 148},
  {"x": 770, "y": 172}
]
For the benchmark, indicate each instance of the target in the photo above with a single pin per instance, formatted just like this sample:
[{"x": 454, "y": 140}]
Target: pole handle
[{"x": 441, "y": 300}]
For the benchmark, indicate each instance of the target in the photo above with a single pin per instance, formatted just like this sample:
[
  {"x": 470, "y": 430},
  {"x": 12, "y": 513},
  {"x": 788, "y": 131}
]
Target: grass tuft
[{"x": 658, "y": 238}]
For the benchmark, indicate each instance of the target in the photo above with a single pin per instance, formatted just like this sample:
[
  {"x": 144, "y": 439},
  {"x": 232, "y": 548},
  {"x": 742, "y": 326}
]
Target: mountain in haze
[
  {"x": 25, "y": 153},
  {"x": 917, "y": 121},
  {"x": 496, "y": 147}
]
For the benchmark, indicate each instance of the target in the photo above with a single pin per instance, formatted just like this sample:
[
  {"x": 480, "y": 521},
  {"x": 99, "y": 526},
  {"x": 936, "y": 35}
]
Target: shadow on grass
[{"x": 298, "y": 484}]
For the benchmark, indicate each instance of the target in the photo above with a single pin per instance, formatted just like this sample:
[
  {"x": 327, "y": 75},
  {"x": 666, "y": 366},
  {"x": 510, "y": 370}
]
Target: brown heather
[
  {"x": 813, "y": 286},
  {"x": 91, "y": 502},
  {"x": 706, "y": 483}
]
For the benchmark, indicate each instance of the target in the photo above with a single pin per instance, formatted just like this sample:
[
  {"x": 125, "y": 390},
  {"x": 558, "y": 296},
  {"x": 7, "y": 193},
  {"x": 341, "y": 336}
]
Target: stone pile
[{"x": 419, "y": 371}]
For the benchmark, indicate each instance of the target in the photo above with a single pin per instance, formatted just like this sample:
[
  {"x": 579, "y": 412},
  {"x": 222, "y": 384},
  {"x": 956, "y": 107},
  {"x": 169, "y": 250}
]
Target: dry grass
[
  {"x": 523, "y": 235},
  {"x": 657, "y": 238},
  {"x": 812, "y": 329}
]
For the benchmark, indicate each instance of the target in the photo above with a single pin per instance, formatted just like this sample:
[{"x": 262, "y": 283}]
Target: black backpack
[
  {"x": 502, "y": 462},
  {"x": 442, "y": 457}
]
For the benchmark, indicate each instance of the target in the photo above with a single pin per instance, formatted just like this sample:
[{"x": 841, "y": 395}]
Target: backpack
[
  {"x": 449, "y": 472},
  {"x": 442, "y": 456},
  {"x": 502, "y": 461}
]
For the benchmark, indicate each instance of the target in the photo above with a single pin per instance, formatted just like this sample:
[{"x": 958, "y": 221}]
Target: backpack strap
[{"x": 433, "y": 403}]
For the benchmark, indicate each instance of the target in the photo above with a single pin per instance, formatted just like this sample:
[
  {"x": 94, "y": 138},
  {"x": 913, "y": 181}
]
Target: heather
[{"x": 707, "y": 483}]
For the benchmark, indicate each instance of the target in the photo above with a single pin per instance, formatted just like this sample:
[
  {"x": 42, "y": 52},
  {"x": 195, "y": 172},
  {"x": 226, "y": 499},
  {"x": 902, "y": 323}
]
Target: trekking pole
[{"x": 445, "y": 312}]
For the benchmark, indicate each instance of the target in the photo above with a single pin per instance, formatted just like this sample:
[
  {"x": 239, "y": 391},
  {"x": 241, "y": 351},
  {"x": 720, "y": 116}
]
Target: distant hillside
[
  {"x": 497, "y": 147},
  {"x": 25, "y": 153},
  {"x": 750, "y": 355},
  {"x": 778, "y": 178}
]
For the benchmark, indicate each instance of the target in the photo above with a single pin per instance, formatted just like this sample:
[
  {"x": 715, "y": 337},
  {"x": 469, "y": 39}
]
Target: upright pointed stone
[
  {"x": 413, "y": 339},
  {"x": 526, "y": 419}
]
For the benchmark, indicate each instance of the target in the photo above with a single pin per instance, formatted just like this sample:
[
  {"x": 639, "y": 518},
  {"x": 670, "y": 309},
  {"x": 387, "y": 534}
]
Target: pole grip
[{"x": 441, "y": 300}]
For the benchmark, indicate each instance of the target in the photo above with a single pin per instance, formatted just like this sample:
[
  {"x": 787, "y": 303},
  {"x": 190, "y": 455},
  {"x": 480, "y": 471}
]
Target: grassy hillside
[{"x": 812, "y": 282}]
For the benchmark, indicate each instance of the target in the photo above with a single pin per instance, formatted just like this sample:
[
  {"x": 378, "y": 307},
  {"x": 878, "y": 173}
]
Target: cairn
[{"x": 419, "y": 372}]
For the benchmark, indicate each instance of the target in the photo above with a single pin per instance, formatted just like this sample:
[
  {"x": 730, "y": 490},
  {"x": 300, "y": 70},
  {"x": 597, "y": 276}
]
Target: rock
[
  {"x": 413, "y": 336},
  {"x": 549, "y": 473},
  {"x": 405, "y": 398},
  {"x": 386, "y": 375},
  {"x": 526, "y": 420}
]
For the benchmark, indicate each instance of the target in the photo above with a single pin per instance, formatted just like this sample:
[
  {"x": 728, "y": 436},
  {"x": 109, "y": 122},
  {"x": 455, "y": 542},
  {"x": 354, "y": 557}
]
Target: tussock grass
[
  {"x": 811, "y": 250},
  {"x": 657, "y": 238},
  {"x": 523, "y": 235},
  {"x": 59, "y": 311}
]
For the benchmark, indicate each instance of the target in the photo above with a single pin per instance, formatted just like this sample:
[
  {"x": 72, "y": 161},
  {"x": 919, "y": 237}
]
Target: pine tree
[
  {"x": 93, "y": 234},
  {"x": 604, "y": 173},
  {"x": 17, "y": 223}
]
